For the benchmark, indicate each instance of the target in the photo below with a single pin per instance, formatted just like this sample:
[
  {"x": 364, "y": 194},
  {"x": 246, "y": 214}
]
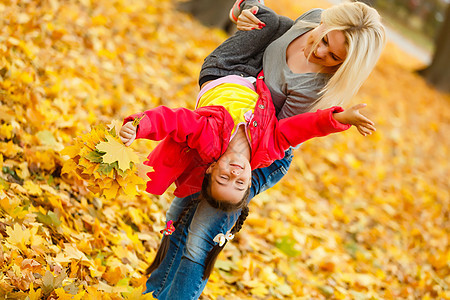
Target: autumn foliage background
[{"x": 355, "y": 218}]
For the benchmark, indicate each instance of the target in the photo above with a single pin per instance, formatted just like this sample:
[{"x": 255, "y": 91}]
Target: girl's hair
[
  {"x": 225, "y": 206},
  {"x": 365, "y": 40},
  {"x": 212, "y": 255}
]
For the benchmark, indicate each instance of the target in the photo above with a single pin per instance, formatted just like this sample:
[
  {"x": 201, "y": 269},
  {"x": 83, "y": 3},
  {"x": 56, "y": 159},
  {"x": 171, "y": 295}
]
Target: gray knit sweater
[{"x": 292, "y": 93}]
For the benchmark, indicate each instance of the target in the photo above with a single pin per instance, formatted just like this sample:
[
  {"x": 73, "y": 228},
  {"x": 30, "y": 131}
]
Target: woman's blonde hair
[{"x": 365, "y": 40}]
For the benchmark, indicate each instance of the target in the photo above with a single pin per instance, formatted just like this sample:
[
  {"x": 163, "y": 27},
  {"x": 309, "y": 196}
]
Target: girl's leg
[
  {"x": 242, "y": 53},
  {"x": 207, "y": 222},
  {"x": 161, "y": 278}
]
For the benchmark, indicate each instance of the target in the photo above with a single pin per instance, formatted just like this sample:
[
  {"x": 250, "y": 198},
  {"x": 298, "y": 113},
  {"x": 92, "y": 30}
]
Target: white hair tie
[{"x": 221, "y": 238}]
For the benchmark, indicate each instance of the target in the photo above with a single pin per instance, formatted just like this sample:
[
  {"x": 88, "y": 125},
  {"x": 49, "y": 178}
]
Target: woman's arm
[{"x": 242, "y": 53}]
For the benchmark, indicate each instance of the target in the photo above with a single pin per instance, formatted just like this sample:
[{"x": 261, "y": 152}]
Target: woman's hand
[
  {"x": 128, "y": 133},
  {"x": 353, "y": 117},
  {"x": 248, "y": 21}
]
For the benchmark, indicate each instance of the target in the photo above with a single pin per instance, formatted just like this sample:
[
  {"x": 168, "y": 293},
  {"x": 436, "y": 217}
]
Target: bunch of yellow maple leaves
[
  {"x": 355, "y": 218},
  {"x": 107, "y": 166}
]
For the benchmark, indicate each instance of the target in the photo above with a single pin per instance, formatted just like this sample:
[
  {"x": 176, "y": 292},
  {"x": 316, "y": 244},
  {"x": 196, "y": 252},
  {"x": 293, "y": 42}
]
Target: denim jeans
[{"x": 180, "y": 274}]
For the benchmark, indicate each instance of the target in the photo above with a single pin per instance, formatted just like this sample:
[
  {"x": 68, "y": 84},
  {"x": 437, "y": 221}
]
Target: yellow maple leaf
[
  {"x": 136, "y": 294},
  {"x": 4, "y": 201},
  {"x": 129, "y": 184},
  {"x": 116, "y": 125},
  {"x": 61, "y": 293},
  {"x": 6, "y": 131},
  {"x": 32, "y": 188},
  {"x": 25, "y": 77},
  {"x": 9, "y": 149},
  {"x": 85, "y": 163},
  {"x": 68, "y": 166},
  {"x": 111, "y": 193},
  {"x": 259, "y": 290},
  {"x": 104, "y": 183},
  {"x": 142, "y": 170},
  {"x": 71, "y": 253},
  {"x": 90, "y": 170},
  {"x": 34, "y": 295},
  {"x": 20, "y": 237},
  {"x": 71, "y": 151},
  {"x": 113, "y": 275},
  {"x": 116, "y": 151}
]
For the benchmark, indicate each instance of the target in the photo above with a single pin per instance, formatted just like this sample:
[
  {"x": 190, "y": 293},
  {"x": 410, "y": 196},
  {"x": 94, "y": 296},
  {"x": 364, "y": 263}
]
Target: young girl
[
  {"x": 233, "y": 131},
  {"x": 322, "y": 59},
  {"x": 233, "y": 128}
]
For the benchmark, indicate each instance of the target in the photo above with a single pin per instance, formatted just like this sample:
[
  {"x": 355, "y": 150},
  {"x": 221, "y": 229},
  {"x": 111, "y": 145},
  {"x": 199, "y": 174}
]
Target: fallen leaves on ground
[{"x": 355, "y": 218}]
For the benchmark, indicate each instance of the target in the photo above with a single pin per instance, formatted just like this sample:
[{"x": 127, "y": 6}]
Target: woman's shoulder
[
  {"x": 307, "y": 81},
  {"x": 312, "y": 15}
]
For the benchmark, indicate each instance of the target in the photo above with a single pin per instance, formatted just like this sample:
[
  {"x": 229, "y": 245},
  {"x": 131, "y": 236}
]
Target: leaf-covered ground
[{"x": 355, "y": 218}]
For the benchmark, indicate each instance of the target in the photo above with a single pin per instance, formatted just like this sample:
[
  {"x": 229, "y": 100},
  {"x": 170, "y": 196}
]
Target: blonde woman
[{"x": 318, "y": 61}]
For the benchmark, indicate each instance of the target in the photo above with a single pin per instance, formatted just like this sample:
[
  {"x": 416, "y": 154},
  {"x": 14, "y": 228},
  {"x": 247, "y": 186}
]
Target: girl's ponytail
[
  {"x": 212, "y": 255},
  {"x": 162, "y": 250}
]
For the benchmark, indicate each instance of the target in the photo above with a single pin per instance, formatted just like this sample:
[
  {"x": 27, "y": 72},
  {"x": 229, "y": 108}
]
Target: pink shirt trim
[{"x": 227, "y": 79}]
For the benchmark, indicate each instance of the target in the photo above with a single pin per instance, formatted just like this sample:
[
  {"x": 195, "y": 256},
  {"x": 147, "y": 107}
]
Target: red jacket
[{"x": 195, "y": 139}]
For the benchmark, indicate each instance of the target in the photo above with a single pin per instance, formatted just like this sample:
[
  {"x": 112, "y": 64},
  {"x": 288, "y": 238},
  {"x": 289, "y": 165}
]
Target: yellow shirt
[{"x": 237, "y": 100}]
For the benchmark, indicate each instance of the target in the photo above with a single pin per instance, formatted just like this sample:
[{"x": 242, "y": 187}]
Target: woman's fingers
[
  {"x": 246, "y": 27},
  {"x": 248, "y": 21},
  {"x": 251, "y": 15},
  {"x": 245, "y": 24}
]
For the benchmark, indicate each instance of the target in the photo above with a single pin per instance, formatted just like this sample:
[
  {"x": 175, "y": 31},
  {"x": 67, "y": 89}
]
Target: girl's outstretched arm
[
  {"x": 353, "y": 117},
  {"x": 155, "y": 124},
  {"x": 297, "y": 129}
]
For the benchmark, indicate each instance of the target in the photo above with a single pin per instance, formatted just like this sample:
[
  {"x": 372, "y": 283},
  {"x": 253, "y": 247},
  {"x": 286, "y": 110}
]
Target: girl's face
[
  {"x": 230, "y": 177},
  {"x": 330, "y": 51}
]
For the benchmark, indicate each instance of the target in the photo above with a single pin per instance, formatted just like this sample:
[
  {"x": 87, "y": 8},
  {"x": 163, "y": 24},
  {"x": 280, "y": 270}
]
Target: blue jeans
[{"x": 191, "y": 242}]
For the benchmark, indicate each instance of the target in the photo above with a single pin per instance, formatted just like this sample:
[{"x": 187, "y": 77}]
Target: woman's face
[
  {"x": 230, "y": 178},
  {"x": 330, "y": 51}
]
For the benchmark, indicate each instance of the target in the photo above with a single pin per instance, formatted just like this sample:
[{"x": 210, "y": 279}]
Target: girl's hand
[
  {"x": 248, "y": 21},
  {"x": 353, "y": 117},
  {"x": 128, "y": 133}
]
